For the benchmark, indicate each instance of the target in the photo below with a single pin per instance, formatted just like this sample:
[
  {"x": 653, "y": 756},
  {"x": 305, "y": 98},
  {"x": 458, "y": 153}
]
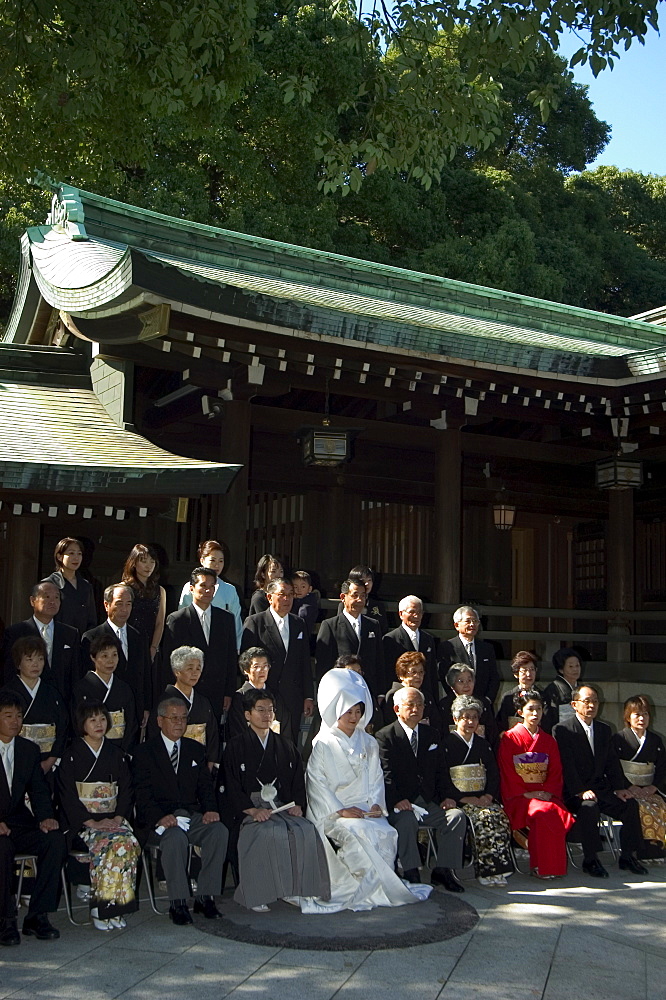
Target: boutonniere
[{"x": 242, "y": 767}]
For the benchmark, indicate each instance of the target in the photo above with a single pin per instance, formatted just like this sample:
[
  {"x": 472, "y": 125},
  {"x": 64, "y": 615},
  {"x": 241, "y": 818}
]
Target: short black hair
[
  {"x": 253, "y": 653},
  {"x": 101, "y": 642},
  {"x": 202, "y": 571},
  {"x": 522, "y": 697},
  {"x": 10, "y": 700},
  {"x": 87, "y": 710},
  {"x": 26, "y": 646},
  {"x": 251, "y": 697}
]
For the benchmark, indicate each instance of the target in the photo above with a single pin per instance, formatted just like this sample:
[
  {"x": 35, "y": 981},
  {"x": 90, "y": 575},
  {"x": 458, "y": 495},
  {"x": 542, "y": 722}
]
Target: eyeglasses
[
  {"x": 175, "y": 718},
  {"x": 264, "y": 711}
]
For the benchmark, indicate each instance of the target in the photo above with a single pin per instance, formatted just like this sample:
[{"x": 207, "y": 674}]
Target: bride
[{"x": 346, "y": 801}]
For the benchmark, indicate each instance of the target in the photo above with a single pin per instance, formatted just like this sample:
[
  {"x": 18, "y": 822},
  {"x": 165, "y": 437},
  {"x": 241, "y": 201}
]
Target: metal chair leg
[{"x": 67, "y": 890}]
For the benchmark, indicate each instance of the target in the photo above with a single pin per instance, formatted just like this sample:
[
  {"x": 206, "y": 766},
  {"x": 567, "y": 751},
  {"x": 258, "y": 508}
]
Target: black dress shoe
[
  {"x": 411, "y": 875},
  {"x": 447, "y": 878},
  {"x": 595, "y": 868},
  {"x": 629, "y": 864},
  {"x": 206, "y": 906},
  {"x": 9, "y": 935},
  {"x": 39, "y": 925},
  {"x": 180, "y": 914}
]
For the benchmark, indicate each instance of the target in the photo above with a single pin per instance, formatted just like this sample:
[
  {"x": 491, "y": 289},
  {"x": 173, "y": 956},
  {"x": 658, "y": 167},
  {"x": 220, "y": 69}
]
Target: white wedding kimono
[{"x": 344, "y": 771}]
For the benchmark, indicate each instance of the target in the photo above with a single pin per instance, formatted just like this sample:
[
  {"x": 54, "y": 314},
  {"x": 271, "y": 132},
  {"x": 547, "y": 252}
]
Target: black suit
[
  {"x": 218, "y": 680},
  {"x": 134, "y": 668},
  {"x": 61, "y": 668},
  {"x": 290, "y": 675},
  {"x": 602, "y": 773},
  {"x": 421, "y": 779},
  {"x": 160, "y": 792},
  {"x": 336, "y": 637},
  {"x": 399, "y": 641},
  {"x": 25, "y": 835},
  {"x": 487, "y": 680}
]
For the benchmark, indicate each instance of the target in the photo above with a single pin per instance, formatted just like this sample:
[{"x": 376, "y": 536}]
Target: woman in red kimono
[{"x": 531, "y": 783}]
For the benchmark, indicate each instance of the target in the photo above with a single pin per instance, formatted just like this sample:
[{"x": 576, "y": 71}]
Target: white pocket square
[
  {"x": 300, "y": 635},
  {"x": 371, "y": 635},
  {"x": 433, "y": 746},
  {"x": 194, "y": 763},
  {"x": 66, "y": 647}
]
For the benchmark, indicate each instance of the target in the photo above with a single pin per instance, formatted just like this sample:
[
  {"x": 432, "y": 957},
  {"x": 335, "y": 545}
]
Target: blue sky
[{"x": 629, "y": 97}]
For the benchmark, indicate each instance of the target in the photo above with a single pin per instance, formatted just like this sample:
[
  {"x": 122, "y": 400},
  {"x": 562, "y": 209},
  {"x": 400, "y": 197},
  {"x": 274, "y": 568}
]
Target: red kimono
[{"x": 532, "y": 764}]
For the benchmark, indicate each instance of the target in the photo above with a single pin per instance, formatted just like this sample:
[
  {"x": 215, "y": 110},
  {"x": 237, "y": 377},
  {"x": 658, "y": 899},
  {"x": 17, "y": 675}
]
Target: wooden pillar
[
  {"x": 334, "y": 558},
  {"x": 448, "y": 505},
  {"x": 620, "y": 550},
  {"x": 620, "y": 573},
  {"x": 231, "y": 526},
  {"x": 23, "y": 567}
]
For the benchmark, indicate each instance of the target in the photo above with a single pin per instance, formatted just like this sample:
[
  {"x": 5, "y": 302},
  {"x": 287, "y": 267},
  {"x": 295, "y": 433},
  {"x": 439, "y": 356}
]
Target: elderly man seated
[
  {"x": 176, "y": 806},
  {"x": 415, "y": 774},
  {"x": 32, "y": 831}
]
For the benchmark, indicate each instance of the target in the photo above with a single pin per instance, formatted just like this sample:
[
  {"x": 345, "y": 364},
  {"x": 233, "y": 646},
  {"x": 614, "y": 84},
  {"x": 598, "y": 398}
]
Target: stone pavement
[{"x": 535, "y": 941}]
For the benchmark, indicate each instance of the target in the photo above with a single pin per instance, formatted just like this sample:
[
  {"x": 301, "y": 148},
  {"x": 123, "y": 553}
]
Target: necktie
[
  {"x": 414, "y": 742},
  {"x": 122, "y": 635},
  {"x": 283, "y": 629},
  {"x": 470, "y": 653},
  {"x": 4, "y": 753},
  {"x": 47, "y": 640},
  {"x": 415, "y": 640},
  {"x": 174, "y": 757},
  {"x": 205, "y": 624}
]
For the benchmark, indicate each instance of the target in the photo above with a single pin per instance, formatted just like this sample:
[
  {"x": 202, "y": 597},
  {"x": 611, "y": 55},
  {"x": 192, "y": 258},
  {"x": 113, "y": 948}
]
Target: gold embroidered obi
[
  {"x": 117, "y": 730},
  {"x": 43, "y": 734},
  {"x": 638, "y": 773},
  {"x": 468, "y": 777},
  {"x": 531, "y": 767},
  {"x": 98, "y": 796},
  {"x": 196, "y": 731}
]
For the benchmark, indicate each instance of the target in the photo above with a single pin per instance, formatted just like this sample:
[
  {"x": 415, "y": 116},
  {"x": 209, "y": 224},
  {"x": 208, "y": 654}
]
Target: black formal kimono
[
  {"x": 44, "y": 716},
  {"x": 291, "y": 673},
  {"x": 284, "y": 855},
  {"x": 646, "y": 765},
  {"x": 473, "y": 772},
  {"x": 119, "y": 699},
  {"x": 237, "y": 721},
  {"x": 557, "y": 702},
  {"x": 25, "y": 834},
  {"x": 86, "y": 787},
  {"x": 202, "y": 725},
  {"x": 134, "y": 668}
]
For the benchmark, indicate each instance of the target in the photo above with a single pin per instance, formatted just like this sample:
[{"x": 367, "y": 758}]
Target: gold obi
[
  {"x": 531, "y": 767},
  {"x": 117, "y": 730},
  {"x": 98, "y": 796},
  {"x": 468, "y": 777},
  {"x": 196, "y": 731},
  {"x": 43, "y": 734},
  {"x": 638, "y": 773}
]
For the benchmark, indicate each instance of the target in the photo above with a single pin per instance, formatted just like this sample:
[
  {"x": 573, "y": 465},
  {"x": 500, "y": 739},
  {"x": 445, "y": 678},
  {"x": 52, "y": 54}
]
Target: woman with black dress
[
  {"x": 77, "y": 600},
  {"x": 268, "y": 568},
  {"x": 410, "y": 671},
  {"x": 460, "y": 679},
  {"x": 255, "y": 665},
  {"x": 524, "y": 669},
  {"x": 95, "y": 792},
  {"x": 202, "y": 726},
  {"x": 141, "y": 572}
]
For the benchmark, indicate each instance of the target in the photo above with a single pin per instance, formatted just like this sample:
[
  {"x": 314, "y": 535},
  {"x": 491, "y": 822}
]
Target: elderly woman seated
[
  {"x": 95, "y": 790},
  {"x": 410, "y": 671},
  {"x": 474, "y": 786},
  {"x": 643, "y": 759},
  {"x": 187, "y": 667},
  {"x": 280, "y": 854},
  {"x": 460, "y": 680},
  {"x": 347, "y": 802}
]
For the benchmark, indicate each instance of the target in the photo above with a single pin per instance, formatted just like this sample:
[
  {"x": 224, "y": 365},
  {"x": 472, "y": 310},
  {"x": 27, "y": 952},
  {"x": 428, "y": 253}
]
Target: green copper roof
[{"x": 93, "y": 256}]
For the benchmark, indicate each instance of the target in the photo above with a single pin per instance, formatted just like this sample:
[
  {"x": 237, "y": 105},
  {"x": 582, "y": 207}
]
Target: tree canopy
[{"x": 406, "y": 135}]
